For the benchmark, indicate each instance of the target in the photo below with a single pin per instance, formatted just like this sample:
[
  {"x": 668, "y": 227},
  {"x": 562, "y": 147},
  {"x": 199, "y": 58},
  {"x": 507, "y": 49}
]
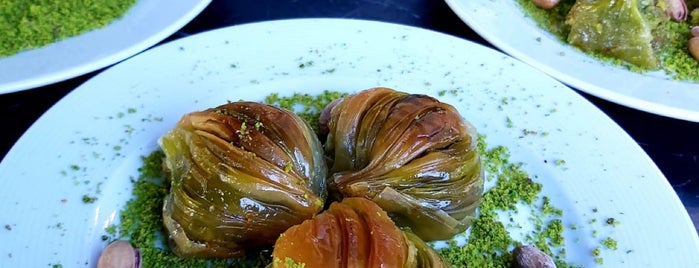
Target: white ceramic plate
[
  {"x": 505, "y": 26},
  {"x": 90, "y": 142},
  {"x": 144, "y": 25}
]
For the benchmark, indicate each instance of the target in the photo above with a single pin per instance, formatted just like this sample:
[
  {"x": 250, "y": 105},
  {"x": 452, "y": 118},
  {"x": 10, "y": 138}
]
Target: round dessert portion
[
  {"x": 240, "y": 174},
  {"x": 353, "y": 233},
  {"x": 413, "y": 155}
]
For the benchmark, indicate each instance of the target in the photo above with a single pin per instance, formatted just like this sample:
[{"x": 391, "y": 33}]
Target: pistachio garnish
[
  {"x": 694, "y": 32},
  {"x": 693, "y": 47},
  {"x": 677, "y": 10},
  {"x": 119, "y": 254},
  {"x": 531, "y": 257},
  {"x": 545, "y": 4}
]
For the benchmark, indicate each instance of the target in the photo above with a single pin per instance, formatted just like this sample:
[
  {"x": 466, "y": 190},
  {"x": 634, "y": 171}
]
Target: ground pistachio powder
[
  {"x": 28, "y": 24},
  {"x": 490, "y": 243}
]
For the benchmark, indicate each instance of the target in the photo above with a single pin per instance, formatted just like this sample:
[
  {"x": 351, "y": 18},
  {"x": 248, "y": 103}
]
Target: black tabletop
[{"x": 673, "y": 144}]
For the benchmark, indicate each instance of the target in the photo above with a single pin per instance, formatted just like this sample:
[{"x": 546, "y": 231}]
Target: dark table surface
[{"x": 672, "y": 144}]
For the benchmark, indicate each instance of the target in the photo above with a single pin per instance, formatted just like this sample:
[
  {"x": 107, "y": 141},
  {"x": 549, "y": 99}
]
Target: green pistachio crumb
[
  {"x": 89, "y": 199},
  {"x": 243, "y": 132},
  {"x": 599, "y": 261},
  {"x": 609, "y": 243},
  {"x": 504, "y": 101},
  {"x": 508, "y": 122},
  {"x": 612, "y": 221},
  {"x": 554, "y": 232},
  {"x": 547, "y": 208},
  {"x": 596, "y": 253},
  {"x": 111, "y": 229},
  {"x": 306, "y": 64},
  {"x": 290, "y": 263}
]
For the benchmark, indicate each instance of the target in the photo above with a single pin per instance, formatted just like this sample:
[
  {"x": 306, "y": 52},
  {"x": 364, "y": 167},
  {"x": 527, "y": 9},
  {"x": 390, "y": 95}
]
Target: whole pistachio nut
[
  {"x": 694, "y": 31},
  {"x": 677, "y": 10},
  {"x": 531, "y": 257},
  {"x": 119, "y": 254},
  {"x": 693, "y": 46},
  {"x": 546, "y": 4}
]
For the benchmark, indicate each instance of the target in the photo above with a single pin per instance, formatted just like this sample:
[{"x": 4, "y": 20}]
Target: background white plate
[
  {"x": 145, "y": 24},
  {"x": 90, "y": 142},
  {"x": 503, "y": 24}
]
